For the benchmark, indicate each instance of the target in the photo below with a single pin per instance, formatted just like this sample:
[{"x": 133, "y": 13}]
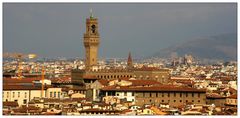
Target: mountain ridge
[{"x": 220, "y": 47}]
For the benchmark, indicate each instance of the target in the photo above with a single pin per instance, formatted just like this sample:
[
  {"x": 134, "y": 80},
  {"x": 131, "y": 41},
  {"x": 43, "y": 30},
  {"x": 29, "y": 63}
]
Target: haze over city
[{"x": 56, "y": 30}]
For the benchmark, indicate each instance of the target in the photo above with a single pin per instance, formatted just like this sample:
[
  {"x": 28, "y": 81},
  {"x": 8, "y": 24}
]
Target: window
[
  {"x": 25, "y": 95},
  {"x": 7, "y": 94},
  {"x": 13, "y": 94},
  {"x": 168, "y": 94},
  {"x": 132, "y": 100},
  {"x": 150, "y": 94},
  {"x": 18, "y": 94},
  {"x": 174, "y": 100},
  {"x": 125, "y": 93},
  {"x": 156, "y": 94},
  {"x": 15, "y": 100},
  {"x": 150, "y": 100},
  {"x": 174, "y": 94},
  {"x": 186, "y": 94},
  {"x": 50, "y": 94},
  {"x": 192, "y": 94},
  {"x": 143, "y": 94},
  {"x": 180, "y": 100},
  {"x": 24, "y": 101},
  {"x": 199, "y": 95},
  {"x": 58, "y": 94},
  {"x": 162, "y": 100},
  {"x": 132, "y": 93},
  {"x": 180, "y": 95},
  {"x": 117, "y": 94},
  {"x": 55, "y": 94},
  {"x": 192, "y": 101},
  {"x": 186, "y": 101},
  {"x": 162, "y": 94},
  {"x": 199, "y": 101}
]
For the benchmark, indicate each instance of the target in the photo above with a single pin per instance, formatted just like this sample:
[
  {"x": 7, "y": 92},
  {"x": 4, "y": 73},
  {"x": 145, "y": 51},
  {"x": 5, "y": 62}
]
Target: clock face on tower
[{"x": 93, "y": 28}]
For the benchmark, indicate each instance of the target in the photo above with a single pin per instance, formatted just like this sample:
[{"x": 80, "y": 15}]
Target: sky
[{"x": 56, "y": 30}]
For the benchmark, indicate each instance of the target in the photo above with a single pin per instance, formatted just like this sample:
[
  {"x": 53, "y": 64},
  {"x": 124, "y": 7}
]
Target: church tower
[
  {"x": 129, "y": 61},
  {"x": 91, "y": 41}
]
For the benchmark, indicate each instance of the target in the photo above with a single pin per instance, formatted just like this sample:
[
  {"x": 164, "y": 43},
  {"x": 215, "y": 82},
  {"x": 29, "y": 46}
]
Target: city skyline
[
  {"x": 180, "y": 78},
  {"x": 56, "y": 30}
]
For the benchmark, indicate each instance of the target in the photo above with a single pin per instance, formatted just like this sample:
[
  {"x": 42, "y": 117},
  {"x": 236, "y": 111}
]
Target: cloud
[{"x": 123, "y": 27}]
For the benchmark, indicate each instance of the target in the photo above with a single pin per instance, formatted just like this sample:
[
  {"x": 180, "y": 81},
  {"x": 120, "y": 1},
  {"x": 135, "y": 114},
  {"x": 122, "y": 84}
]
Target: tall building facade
[{"x": 91, "y": 41}]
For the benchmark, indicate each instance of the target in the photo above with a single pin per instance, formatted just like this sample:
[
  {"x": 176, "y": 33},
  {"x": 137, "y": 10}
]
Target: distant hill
[{"x": 221, "y": 47}]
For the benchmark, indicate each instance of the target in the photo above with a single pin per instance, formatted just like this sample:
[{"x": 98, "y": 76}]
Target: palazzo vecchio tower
[{"x": 91, "y": 41}]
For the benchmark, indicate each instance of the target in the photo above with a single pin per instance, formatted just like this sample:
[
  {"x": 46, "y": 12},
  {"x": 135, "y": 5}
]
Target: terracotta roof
[
  {"x": 144, "y": 82},
  {"x": 24, "y": 109},
  {"x": 51, "y": 113},
  {"x": 102, "y": 104},
  {"x": 233, "y": 96},
  {"x": 229, "y": 89},
  {"x": 215, "y": 96},
  {"x": 125, "y": 111},
  {"x": 57, "y": 100},
  {"x": 187, "y": 82},
  {"x": 23, "y": 80},
  {"x": 89, "y": 77},
  {"x": 10, "y": 104},
  {"x": 87, "y": 104},
  {"x": 152, "y": 88},
  {"x": 104, "y": 82},
  {"x": 99, "y": 110},
  {"x": 61, "y": 80},
  {"x": 22, "y": 87}
]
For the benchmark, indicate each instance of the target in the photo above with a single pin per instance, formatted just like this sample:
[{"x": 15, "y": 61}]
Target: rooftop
[{"x": 153, "y": 88}]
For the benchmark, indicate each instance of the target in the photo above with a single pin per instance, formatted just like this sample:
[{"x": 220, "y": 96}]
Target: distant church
[{"x": 91, "y": 43}]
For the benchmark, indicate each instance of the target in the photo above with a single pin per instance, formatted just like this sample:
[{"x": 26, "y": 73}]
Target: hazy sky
[{"x": 56, "y": 30}]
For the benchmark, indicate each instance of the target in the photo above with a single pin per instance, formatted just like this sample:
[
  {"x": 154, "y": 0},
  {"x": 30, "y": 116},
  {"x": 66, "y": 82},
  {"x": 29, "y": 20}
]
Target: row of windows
[
  {"x": 125, "y": 94},
  {"x": 94, "y": 40},
  {"x": 54, "y": 94},
  {"x": 24, "y": 101},
  {"x": 18, "y": 94},
  {"x": 82, "y": 92},
  {"x": 231, "y": 101},
  {"x": 113, "y": 76},
  {"x": 168, "y": 94},
  {"x": 173, "y": 101}
]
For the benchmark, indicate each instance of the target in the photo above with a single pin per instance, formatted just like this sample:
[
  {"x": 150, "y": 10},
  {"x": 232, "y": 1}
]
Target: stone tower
[{"x": 91, "y": 41}]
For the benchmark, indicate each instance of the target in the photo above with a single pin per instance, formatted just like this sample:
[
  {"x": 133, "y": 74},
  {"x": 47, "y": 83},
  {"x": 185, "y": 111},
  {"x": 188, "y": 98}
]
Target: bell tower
[{"x": 91, "y": 41}]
